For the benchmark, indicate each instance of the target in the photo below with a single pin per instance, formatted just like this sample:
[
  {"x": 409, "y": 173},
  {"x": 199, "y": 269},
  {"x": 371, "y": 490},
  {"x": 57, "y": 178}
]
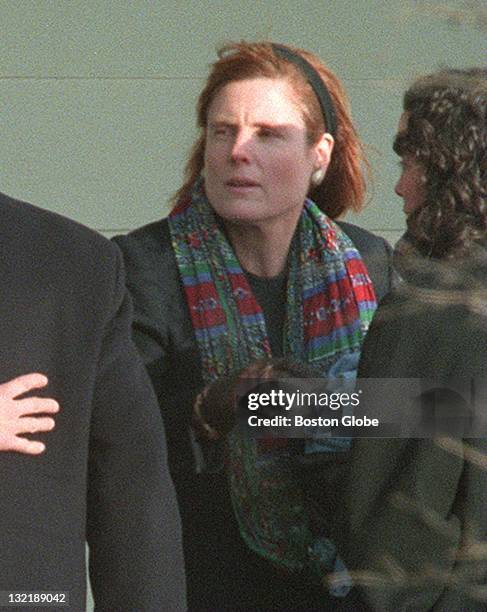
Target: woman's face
[
  {"x": 257, "y": 161},
  {"x": 411, "y": 185}
]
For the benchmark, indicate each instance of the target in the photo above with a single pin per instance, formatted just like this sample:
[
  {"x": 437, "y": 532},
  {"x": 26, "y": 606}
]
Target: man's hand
[{"x": 20, "y": 416}]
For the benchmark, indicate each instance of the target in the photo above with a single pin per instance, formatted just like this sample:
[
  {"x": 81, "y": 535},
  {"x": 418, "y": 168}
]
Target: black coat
[
  {"x": 64, "y": 312},
  {"x": 411, "y": 506},
  {"x": 222, "y": 573}
]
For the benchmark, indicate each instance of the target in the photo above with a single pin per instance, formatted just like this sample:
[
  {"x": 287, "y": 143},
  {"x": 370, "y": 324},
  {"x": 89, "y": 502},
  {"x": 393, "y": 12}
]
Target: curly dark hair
[{"x": 446, "y": 134}]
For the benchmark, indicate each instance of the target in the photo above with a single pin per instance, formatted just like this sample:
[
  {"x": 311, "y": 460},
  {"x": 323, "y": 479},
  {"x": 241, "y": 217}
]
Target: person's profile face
[
  {"x": 257, "y": 161},
  {"x": 411, "y": 184}
]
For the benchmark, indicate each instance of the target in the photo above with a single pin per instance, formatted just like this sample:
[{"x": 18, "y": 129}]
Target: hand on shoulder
[{"x": 24, "y": 415}]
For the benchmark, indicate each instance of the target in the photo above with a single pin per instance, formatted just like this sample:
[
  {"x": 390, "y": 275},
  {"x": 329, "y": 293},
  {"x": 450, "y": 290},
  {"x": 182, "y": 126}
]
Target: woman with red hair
[{"x": 251, "y": 264}]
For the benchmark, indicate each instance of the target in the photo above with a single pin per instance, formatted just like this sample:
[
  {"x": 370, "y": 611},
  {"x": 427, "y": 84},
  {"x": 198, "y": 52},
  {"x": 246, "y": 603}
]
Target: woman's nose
[
  {"x": 241, "y": 147},
  {"x": 398, "y": 188}
]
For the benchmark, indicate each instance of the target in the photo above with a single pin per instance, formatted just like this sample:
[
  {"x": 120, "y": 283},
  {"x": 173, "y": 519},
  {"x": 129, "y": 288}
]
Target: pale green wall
[{"x": 97, "y": 97}]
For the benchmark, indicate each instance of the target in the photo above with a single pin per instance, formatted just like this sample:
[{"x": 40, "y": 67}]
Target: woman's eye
[
  {"x": 219, "y": 130},
  {"x": 266, "y": 133}
]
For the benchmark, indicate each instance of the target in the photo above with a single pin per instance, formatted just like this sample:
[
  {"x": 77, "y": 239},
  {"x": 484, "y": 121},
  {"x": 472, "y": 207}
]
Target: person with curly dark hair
[
  {"x": 414, "y": 517},
  {"x": 442, "y": 140}
]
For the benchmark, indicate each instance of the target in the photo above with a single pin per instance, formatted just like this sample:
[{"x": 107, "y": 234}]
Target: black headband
[{"x": 316, "y": 82}]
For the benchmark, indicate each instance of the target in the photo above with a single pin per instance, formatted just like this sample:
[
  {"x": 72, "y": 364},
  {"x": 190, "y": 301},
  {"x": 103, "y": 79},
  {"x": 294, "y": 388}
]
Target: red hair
[{"x": 343, "y": 187}]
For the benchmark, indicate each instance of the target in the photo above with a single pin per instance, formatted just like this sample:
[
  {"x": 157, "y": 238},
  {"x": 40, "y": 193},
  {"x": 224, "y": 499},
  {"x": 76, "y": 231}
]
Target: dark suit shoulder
[
  {"x": 150, "y": 262},
  {"x": 363, "y": 238},
  {"x": 153, "y": 281},
  {"x": 47, "y": 232},
  {"x": 148, "y": 250},
  {"x": 377, "y": 255},
  {"x": 55, "y": 260},
  {"x": 149, "y": 238}
]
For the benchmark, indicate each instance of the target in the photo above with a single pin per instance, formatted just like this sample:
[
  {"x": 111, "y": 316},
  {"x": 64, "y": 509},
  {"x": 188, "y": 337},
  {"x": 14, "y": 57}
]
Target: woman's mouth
[{"x": 241, "y": 184}]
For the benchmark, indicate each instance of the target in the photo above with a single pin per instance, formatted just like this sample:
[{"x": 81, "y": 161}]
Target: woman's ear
[{"x": 323, "y": 149}]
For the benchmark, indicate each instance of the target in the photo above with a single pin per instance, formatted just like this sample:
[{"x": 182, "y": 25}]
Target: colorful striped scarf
[{"x": 330, "y": 303}]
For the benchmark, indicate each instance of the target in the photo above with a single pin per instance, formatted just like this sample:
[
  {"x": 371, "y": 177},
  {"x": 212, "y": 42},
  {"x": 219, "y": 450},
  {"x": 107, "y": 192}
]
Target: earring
[
  {"x": 202, "y": 172},
  {"x": 317, "y": 177}
]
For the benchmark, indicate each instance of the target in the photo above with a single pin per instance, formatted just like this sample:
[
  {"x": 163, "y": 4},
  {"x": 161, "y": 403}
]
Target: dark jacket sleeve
[
  {"x": 133, "y": 528},
  {"x": 401, "y": 533}
]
